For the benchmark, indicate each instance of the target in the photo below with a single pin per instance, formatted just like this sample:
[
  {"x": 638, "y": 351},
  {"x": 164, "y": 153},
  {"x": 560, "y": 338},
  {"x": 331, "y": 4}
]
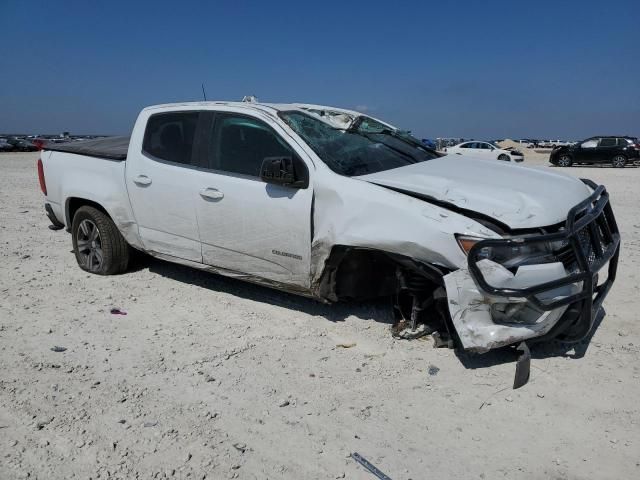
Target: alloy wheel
[
  {"x": 564, "y": 161},
  {"x": 619, "y": 161},
  {"x": 89, "y": 246}
]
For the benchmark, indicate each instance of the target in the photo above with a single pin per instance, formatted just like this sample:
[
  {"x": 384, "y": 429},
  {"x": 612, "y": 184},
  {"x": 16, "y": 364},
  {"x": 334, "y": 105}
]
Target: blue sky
[{"x": 488, "y": 69}]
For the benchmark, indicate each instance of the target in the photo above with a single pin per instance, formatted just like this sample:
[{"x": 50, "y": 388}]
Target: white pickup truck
[{"x": 335, "y": 205}]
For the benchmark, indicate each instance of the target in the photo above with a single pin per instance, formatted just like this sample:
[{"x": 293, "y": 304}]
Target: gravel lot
[{"x": 209, "y": 377}]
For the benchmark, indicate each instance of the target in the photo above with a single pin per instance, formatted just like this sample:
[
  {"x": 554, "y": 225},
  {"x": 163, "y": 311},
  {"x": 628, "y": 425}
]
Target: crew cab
[{"x": 336, "y": 205}]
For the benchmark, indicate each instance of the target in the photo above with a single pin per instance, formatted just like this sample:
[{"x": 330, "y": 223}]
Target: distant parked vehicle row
[
  {"x": 23, "y": 145},
  {"x": 5, "y": 146},
  {"x": 17, "y": 145},
  {"x": 614, "y": 150},
  {"x": 486, "y": 150}
]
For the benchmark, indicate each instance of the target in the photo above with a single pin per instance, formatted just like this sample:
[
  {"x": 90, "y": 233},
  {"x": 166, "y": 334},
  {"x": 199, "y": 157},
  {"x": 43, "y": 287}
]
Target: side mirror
[{"x": 287, "y": 171}]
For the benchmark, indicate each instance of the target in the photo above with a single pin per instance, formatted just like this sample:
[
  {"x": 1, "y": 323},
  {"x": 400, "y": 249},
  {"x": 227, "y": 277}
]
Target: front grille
[
  {"x": 589, "y": 241},
  {"x": 596, "y": 236},
  {"x": 586, "y": 245}
]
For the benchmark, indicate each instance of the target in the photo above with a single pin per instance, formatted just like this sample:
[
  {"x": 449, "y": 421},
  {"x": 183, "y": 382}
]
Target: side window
[
  {"x": 591, "y": 143},
  {"x": 169, "y": 136},
  {"x": 608, "y": 142},
  {"x": 484, "y": 146},
  {"x": 623, "y": 142},
  {"x": 465, "y": 145},
  {"x": 240, "y": 144}
]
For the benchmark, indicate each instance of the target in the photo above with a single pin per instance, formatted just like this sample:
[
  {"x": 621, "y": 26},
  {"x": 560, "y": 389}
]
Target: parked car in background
[
  {"x": 486, "y": 150},
  {"x": 553, "y": 143},
  {"x": 5, "y": 146},
  {"x": 22, "y": 145},
  {"x": 442, "y": 143},
  {"x": 615, "y": 150},
  {"x": 429, "y": 143}
]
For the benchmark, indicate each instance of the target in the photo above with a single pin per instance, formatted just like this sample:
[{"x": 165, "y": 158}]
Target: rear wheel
[
  {"x": 99, "y": 246},
  {"x": 565, "y": 161},
  {"x": 504, "y": 157},
  {"x": 619, "y": 161}
]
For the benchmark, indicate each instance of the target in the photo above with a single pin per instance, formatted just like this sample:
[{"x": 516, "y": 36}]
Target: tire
[
  {"x": 565, "y": 160},
  {"x": 98, "y": 245},
  {"x": 619, "y": 161},
  {"x": 504, "y": 157}
]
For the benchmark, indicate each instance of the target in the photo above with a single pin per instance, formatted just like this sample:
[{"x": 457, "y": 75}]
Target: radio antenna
[{"x": 204, "y": 94}]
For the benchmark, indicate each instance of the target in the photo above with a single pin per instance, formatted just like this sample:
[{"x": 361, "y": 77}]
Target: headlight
[{"x": 512, "y": 255}]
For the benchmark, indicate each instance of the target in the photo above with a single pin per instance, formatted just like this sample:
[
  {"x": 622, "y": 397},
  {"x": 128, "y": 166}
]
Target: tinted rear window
[
  {"x": 170, "y": 136},
  {"x": 608, "y": 142}
]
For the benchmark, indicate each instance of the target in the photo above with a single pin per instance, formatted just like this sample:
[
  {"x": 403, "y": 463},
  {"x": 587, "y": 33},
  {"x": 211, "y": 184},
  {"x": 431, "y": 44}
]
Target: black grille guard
[{"x": 592, "y": 234}]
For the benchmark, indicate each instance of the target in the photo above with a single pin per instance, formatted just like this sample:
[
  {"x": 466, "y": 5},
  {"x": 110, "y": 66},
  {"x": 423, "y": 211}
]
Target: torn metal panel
[{"x": 484, "y": 322}]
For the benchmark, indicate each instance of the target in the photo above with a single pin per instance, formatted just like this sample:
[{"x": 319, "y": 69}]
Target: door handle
[
  {"x": 212, "y": 193},
  {"x": 142, "y": 180}
]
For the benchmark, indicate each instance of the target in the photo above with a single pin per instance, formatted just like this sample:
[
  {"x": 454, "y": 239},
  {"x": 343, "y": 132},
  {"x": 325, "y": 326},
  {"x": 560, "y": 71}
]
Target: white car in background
[{"x": 486, "y": 150}]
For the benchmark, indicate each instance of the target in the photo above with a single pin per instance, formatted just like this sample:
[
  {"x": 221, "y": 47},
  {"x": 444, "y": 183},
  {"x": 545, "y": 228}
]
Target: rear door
[
  {"x": 247, "y": 226},
  {"x": 162, "y": 180},
  {"x": 606, "y": 150}
]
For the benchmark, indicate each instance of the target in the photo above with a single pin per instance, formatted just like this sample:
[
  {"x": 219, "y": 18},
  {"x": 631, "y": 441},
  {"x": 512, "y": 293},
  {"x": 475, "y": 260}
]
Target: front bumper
[{"x": 492, "y": 306}]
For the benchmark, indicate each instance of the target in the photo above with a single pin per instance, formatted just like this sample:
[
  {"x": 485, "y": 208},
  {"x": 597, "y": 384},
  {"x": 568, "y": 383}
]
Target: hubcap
[
  {"x": 618, "y": 161},
  {"x": 89, "y": 246},
  {"x": 564, "y": 161}
]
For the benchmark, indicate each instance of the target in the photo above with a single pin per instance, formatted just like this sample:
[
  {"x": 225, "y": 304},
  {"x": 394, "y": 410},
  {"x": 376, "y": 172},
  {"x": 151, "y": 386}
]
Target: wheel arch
[
  {"x": 360, "y": 273},
  {"x": 121, "y": 217},
  {"x": 72, "y": 204}
]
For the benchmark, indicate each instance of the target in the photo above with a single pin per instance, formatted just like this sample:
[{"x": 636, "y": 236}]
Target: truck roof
[
  {"x": 116, "y": 148},
  {"x": 337, "y": 117},
  {"x": 277, "y": 107}
]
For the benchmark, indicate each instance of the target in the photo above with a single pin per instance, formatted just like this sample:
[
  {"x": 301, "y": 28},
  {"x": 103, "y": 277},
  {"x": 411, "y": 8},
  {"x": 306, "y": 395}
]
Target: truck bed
[{"x": 111, "y": 148}]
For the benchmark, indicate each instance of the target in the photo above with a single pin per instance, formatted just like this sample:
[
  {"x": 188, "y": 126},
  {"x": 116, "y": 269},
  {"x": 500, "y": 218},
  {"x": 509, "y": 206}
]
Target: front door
[
  {"x": 485, "y": 150},
  {"x": 247, "y": 226},
  {"x": 606, "y": 150}
]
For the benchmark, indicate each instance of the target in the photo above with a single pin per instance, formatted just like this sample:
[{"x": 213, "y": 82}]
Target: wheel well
[
  {"x": 74, "y": 203},
  {"x": 358, "y": 273}
]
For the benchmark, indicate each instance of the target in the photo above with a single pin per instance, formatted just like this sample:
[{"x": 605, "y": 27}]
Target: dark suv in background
[{"x": 617, "y": 151}]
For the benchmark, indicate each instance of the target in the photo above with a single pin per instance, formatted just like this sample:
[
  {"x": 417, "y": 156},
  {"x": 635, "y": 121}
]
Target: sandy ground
[{"x": 210, "y": 377}]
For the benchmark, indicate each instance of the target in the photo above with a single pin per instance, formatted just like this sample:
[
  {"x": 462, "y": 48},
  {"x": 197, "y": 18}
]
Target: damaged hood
[{"x": 517, "y": 196}]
